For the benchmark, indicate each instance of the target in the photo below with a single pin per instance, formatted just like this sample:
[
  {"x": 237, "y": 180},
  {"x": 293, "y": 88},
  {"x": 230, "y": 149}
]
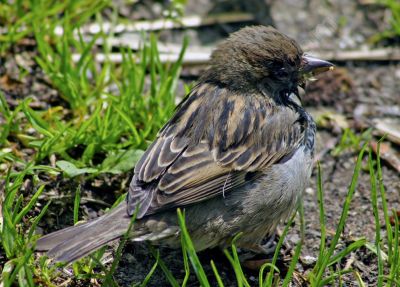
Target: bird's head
[{"x": 260, "y": 57}]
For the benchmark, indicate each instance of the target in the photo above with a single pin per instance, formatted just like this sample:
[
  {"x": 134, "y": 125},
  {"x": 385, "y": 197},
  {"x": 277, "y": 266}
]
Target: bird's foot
[
  {"x": 254, "y": 256},
  {"x": 267, "y": 247}
]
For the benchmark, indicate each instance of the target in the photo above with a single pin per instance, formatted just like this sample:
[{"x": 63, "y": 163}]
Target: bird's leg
[
  {"x": 269, "y": 245},
  {"x": 253, "y": 256},
  {"x": 253, "y": 250}
]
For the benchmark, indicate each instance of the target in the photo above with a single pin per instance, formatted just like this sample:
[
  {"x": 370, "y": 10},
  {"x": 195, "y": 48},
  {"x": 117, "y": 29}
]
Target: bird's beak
[{"x": 314, "y": 66}]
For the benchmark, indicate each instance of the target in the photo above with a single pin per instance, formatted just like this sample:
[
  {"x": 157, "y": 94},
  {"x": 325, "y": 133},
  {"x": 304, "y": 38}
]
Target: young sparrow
[{"x": 236, "y": 155}]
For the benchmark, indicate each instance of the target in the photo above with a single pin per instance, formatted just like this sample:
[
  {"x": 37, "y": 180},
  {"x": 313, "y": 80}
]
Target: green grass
[
  {"x": 393, "y": 29},
  {"x": 106, "y": 117},
  {"x": 18, "y": 16},
  {"x": 394, "y": 7},
  {"x": 114, "y": 126}
]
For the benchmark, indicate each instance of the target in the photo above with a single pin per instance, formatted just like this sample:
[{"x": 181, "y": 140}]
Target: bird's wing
[{"x": 216, "y": 141}]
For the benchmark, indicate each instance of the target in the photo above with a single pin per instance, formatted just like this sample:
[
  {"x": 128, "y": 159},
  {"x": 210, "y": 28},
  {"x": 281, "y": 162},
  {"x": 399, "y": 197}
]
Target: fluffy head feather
[{"x": 255, "y": 55}]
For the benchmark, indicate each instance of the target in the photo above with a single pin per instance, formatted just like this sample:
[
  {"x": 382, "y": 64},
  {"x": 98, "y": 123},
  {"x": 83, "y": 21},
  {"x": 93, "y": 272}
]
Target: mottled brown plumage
[
  {"x": 223, "y": 133},
  {"x": 236, "y": 154}
]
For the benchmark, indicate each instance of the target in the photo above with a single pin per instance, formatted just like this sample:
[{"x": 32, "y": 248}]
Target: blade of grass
[
  {"x": 29, "y": 206},
  {"x": 19, "y": 263},
  {"x": 235, "y": 262},
  {"x": 320, "y": 269},
  {"x": 35, "y": 120},
  {"x": 118, "y": 254},
  {"x": 194, "y": 260},
  {"x": 270, "y": 276},
  {"x": 37, "y": 220},
  {"x": 292, "y": 266},
  {"x": 350, "y": 248},
  {"x": 394, "y": 270},
  {"x": 217, "y": 276},
  {"x": 389, "y": 231},
  {"x": 151, "y": 272},
  {"x": 185, "y": 263},
  {"x": 327, "y": 281},
  {"x": 320, "y": 193},
  {"x": 171, "y": 279},
  {"x": 261, "y": 272},
  {"x": 374, "y": 199},
  {"x": 297, "y": 251},
  {"x": 77, "y": 202}
]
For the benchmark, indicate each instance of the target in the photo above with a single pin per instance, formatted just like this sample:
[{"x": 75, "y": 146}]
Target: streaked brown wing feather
[{"x": 213, "y": 141}]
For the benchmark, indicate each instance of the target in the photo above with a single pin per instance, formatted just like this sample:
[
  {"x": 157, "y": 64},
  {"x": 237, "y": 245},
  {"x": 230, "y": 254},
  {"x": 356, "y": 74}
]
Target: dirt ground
[{"x": 368, "y": 86}]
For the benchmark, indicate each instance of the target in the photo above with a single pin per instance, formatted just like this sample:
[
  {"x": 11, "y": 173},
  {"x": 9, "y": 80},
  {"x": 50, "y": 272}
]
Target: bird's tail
[{"x": 75, "y": 242}]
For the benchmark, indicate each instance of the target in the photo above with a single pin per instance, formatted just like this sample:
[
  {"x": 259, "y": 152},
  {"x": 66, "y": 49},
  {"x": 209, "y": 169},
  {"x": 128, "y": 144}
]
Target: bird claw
[{"x": 258, "y": 252}]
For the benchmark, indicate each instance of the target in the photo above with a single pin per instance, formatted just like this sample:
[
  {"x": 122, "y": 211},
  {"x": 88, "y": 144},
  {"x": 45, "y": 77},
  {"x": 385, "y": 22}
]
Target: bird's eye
[{"x": 282, "y": 73}]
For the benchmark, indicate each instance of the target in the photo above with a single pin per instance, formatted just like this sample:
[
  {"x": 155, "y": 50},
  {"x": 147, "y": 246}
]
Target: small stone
[
  {"x": 397, "y": 73},
  {"x": 310, "y": 191},
  {"x": 308, "y": 260}
]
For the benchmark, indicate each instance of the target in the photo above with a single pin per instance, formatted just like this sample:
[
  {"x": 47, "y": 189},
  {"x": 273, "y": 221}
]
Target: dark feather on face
[{"x": 256, "y": 57}]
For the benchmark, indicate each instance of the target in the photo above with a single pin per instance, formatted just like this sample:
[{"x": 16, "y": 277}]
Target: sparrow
[{"x": 236, "y": 155}]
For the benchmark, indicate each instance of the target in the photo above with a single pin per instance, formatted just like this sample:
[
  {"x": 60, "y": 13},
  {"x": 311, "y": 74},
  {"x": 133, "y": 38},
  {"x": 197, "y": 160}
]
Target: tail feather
[{"x": 75, "y": 242}]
